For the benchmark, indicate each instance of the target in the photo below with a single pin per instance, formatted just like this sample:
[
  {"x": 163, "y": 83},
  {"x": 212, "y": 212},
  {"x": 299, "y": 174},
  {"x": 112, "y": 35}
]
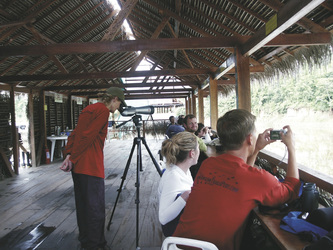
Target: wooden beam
[
  {"x": 293, "y": 11},
  {"x": 150, "y": 96},
  {"x": 101, "y": 75},
  {"x": 17, "y": 23},
  {"x": 253, "y": 69},
  {"x": 130, "y": 85},
  {"x": 300, "y": 39},
  {"x": 225, "y": 67},
  {"x": 122, "y": 46},
  {"x": 306, "y": 23},
  {"x": 157, "y": 91},
  {"x": 117, "y": 23},
  {"x": 161, "y": 44}
]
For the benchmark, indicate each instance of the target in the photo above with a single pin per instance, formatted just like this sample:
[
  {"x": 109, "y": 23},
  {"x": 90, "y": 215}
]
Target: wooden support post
[
  {"x": 69, "y": 112},
  {"x": 194, "y": 104},
  {"x": 187, "y": 111},
  {"x": 42, "y": 140},
  {"x": 201, "y": 115},
  {"x": 32, "y": 129},
  {"x": 213, "y": 103},
  {"x": 243, "y": 89},
  {"x": 190, "y": 110},
  {"x": 14, "y": 130}
]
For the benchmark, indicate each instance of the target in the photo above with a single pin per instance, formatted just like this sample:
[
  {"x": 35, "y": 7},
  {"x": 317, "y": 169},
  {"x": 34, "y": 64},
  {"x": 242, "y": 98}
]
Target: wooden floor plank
[{"x": 43, "y": 196}]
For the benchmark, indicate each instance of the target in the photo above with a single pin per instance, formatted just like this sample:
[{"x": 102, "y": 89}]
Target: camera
[{"x": 275, "y": 134}]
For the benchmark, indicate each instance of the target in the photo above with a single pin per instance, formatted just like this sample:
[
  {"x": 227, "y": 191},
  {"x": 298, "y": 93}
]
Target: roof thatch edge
[{"x": 312, "y": 57}]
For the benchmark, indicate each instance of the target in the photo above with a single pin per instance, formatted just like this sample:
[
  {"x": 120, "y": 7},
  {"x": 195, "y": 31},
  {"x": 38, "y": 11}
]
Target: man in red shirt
[
  {"x": 228, "y": 187},
  {"x": 86, "y": 161}
]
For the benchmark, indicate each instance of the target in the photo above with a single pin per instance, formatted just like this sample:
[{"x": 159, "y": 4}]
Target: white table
[{"x": 53, "y": 139}]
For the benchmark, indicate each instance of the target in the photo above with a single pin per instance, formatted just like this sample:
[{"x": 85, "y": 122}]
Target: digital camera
[{"x": 275, "y": 134}]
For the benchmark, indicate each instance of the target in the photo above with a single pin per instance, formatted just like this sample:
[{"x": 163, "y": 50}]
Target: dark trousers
[{"x": 90, "y": 210}]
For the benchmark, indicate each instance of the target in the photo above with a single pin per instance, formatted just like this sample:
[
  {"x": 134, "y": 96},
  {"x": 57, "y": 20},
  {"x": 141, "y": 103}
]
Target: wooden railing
[
  {"x": 307, "y": 174},
  {"x": 153, "y": 127}
]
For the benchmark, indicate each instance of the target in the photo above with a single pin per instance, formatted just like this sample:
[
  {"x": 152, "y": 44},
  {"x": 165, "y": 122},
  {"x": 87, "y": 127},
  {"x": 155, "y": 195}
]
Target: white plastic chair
[{"x": 170, "y": 243}]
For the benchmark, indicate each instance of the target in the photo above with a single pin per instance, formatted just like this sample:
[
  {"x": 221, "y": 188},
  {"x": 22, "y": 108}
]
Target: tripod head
[{"x": 135, "y": 118}]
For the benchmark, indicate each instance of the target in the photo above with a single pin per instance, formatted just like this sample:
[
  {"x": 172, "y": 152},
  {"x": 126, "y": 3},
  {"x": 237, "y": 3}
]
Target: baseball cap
[{"x": 114, "y": 91}]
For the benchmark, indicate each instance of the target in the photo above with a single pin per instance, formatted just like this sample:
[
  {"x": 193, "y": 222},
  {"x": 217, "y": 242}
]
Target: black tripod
[{"x": 136, "y": 142}]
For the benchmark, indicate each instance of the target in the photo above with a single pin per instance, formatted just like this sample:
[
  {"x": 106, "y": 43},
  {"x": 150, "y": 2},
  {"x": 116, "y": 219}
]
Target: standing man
[
  {"x": 86, "y": 161},
  {"x": 228, "y": 187}
]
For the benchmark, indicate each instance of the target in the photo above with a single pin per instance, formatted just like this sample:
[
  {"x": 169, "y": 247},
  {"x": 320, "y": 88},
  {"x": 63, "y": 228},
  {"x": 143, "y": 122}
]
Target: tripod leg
[
  {"x": 122, "y": 182},
  {"x": 137, "y": 185},
  {"x": 152, "y": 157}
]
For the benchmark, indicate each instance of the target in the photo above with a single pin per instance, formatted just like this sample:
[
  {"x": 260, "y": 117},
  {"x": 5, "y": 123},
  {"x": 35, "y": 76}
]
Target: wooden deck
[{"x": 37, "y": 208}]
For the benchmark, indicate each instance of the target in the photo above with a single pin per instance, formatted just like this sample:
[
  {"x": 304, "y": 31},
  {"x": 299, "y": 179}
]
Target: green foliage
[{"x": 310, "y": 90}]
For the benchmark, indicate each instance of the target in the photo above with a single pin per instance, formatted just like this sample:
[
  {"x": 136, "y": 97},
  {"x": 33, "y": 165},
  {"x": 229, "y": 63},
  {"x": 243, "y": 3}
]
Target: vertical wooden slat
[
  {"x": 42, "y": 139},
  {"x": 32, "y": 129},
  {"x": 213, "y": 103},
  {"x": 186, "y": 106},
  {"x": 69, "y": 112},
  {"x": 190, "y": 110},
  {"x": 14, "y": 131},
  {"x": 194, "y": 105},
  {"x": 243, "y": 90},
  {"x": 201, "y": 114}
]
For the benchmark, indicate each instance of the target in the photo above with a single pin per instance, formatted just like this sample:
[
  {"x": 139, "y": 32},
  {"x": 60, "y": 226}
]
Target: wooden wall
[
  {"x": 64, "y": 114},
  {"x": 5, "y": 135}
]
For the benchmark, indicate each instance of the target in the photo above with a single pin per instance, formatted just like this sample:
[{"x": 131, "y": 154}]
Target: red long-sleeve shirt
[
  {"x": 224, "y": 192},
  {"x": 86, "y": 142}
]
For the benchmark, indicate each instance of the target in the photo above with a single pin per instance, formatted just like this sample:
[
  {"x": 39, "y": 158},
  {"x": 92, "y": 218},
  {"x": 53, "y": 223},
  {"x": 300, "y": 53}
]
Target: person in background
[
  {"x": 175, "y": 128},
  {"x": 172, "y": 120},
  {"x": 180, "y": 152},
  {"x": 85, "y": 160},
  {"x": 180, "y": 120},
  {"x": 203, "y": 133},
  {"x": 191, "y": 125},
  {"x": 228, "y": 187}
]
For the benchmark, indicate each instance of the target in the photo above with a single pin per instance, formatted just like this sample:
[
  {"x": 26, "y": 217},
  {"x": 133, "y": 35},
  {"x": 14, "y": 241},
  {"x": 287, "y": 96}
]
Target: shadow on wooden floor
[{"x": 37, "y": 208}]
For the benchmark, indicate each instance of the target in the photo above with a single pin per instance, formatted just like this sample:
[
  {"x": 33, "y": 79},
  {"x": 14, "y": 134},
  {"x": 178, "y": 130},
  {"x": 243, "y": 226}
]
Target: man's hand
[
  {"x": 66, "y": 165},
  {"x": 263, "y": 140},
  {"x": 288, "y": 138}
]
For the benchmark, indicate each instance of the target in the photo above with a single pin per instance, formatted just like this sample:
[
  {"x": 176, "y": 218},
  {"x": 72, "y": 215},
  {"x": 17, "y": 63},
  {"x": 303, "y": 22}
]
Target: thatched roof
[
  {"x": 311, "y": 57},
  {"x": 81, "y": 48}
]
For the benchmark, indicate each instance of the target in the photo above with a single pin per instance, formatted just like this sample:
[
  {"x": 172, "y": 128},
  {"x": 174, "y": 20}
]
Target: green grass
[{"x": 313, "y": 137}]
